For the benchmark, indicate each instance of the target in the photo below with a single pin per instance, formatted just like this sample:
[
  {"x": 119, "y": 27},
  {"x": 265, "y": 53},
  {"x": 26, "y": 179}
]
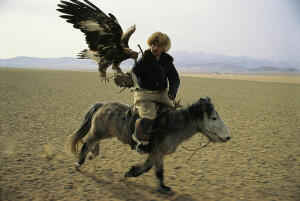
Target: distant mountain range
[
  {"x": 184, "y": 61},
  {"x": 49, "y": 63}
]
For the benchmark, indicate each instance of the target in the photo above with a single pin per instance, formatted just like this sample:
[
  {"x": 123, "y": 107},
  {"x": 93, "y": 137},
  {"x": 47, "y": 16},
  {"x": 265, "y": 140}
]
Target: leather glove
[
  {"x": 124, "y": 80},
  {"x": 171, "y": 96}
]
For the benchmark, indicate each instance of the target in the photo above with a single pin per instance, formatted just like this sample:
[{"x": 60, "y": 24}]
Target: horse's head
[{"x": 211, "y": 124}]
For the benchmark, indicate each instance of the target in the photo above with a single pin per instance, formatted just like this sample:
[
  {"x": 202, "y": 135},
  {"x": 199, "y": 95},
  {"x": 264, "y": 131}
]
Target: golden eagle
[{"x": 107, "y": 43}]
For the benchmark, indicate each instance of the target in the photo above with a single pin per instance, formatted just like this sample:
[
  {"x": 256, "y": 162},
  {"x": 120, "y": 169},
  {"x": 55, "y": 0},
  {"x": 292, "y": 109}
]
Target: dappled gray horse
[{"x": 107, "y": 120}]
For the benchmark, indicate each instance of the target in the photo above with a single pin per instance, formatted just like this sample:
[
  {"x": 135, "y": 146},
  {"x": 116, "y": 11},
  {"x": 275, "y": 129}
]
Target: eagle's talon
[{"x": 104, "y": 79}]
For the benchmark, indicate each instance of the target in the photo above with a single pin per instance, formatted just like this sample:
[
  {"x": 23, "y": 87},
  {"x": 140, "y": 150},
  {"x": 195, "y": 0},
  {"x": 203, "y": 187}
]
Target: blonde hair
[{"x": 160, "y": 39}]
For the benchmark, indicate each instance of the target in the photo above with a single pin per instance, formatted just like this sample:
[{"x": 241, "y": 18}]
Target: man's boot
[{"x": 142, "y": 134}]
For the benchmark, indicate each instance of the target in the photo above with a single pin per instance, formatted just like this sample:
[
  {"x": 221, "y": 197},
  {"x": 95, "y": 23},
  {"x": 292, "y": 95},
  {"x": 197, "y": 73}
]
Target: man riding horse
[
  {"x": 151, "y": 75},
  {"x": 108, "y": 46}
]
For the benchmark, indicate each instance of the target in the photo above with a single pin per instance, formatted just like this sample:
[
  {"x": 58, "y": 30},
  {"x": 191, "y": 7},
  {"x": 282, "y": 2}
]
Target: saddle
[{"x": 166, "y": 119}]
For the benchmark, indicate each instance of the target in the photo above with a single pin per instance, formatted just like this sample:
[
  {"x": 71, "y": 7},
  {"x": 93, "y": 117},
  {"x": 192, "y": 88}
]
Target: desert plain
[{"x": 39, "y": 109}]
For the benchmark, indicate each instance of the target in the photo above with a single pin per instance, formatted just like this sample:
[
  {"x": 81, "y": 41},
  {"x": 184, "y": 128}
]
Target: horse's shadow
[{"x": 129, "y": 189}]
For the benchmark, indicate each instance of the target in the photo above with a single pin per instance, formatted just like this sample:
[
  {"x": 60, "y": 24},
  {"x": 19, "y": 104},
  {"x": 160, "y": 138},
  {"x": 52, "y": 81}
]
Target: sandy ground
[{"x": 40, "y": 108}]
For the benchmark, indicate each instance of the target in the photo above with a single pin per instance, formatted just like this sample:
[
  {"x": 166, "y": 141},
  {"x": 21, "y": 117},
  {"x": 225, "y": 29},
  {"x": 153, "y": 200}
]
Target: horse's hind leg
[
  {"x": 138, "y": 170},
  {"x": 86, "y": 147},
  {"x": 95, "y": 151}
]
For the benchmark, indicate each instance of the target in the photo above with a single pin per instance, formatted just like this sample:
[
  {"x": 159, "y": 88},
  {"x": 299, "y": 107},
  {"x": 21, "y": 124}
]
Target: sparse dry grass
[{"x": 40, "y": 108}]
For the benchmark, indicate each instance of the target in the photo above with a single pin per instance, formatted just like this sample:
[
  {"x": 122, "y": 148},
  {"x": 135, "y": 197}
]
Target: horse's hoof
[
  {"x": 132, "y": 172},
  {"x": 166, "y": 190},
  {"x": 77, "y": 166},
  {"x": 128, "y": 174}
]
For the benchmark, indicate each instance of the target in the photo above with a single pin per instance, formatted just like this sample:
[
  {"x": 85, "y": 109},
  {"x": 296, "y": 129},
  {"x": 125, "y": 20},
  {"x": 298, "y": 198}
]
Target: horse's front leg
[
  {"x": 138, "y": 170},
  {"x": 159, "y": 172}
]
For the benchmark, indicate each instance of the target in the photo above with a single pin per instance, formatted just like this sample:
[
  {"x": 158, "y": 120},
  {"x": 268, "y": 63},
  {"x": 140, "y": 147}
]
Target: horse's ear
[
  {"x": 206, "y": 99},
  {"x": 201, "y": 100}
]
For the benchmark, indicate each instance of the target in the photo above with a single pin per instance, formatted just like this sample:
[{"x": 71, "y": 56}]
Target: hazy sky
[{"x": 255, "y": 28}]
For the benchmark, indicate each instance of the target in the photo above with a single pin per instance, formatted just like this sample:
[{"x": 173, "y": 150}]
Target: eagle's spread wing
[
  {"x": 107, "y": 43},
  {"x": 103, "y": 32}
]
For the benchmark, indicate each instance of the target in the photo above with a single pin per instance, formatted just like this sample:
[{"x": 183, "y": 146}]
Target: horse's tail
[{"x": 76, "y": 138}]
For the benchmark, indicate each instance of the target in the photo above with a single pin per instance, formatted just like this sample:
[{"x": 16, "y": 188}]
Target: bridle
[{"x": 195, "y": 150}]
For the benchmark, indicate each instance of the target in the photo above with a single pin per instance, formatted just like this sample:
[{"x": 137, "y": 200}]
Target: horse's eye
[{"x": 214, "y": 118}]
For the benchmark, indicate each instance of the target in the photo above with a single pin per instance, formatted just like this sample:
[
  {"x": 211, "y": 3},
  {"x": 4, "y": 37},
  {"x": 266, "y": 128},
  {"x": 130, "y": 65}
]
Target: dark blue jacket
[{"x": 154, "y": 74}]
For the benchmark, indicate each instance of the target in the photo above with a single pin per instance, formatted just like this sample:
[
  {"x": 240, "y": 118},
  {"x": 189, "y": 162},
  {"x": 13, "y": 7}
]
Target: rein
[{"x": 195, "y": 150}]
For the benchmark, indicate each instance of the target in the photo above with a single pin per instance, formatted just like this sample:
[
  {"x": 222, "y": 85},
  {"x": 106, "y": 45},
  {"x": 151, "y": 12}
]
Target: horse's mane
[
  {"x": 196, "y": 110},
  {"x": 181, "y": 118}
]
